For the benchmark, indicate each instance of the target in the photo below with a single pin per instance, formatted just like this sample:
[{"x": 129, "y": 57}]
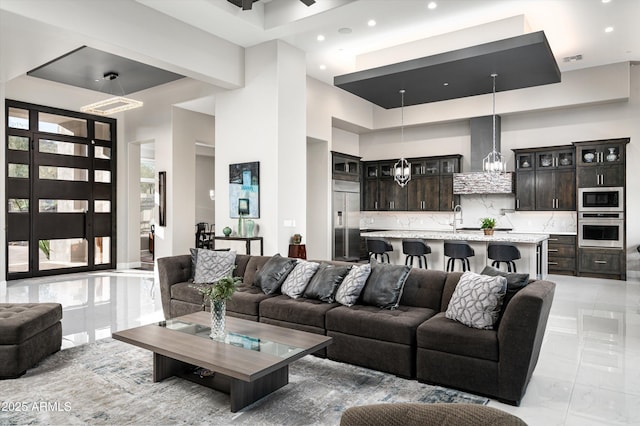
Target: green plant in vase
[
  {"x": 218, "y": 293},
  {"x": 487, "y": 225}
]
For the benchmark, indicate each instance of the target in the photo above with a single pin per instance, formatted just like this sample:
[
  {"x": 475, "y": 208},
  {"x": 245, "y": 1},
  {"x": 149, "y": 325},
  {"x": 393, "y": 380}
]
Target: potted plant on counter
[{"x": 488, "y": 223}]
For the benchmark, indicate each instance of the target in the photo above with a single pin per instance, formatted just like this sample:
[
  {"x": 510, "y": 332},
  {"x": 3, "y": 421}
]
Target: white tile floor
[{"x": 588, "y": 372}]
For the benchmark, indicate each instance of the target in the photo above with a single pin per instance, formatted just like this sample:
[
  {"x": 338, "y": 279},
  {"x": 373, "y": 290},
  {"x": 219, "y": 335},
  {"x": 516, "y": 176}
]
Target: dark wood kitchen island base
[{"x": 251, "y": 361}]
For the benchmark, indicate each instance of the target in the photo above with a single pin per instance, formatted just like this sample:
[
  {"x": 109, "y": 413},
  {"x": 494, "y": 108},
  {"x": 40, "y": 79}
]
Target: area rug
[{"x": 109, "y": 382}]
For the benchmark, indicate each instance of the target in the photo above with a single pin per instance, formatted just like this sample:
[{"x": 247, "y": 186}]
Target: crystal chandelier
[
  {"x": 402, "y": 168},
  {"x": 494, "y": 162}
]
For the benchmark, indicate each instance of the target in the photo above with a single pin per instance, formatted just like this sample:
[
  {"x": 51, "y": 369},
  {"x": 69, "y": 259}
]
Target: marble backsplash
[{"x": 475, "y": 207}]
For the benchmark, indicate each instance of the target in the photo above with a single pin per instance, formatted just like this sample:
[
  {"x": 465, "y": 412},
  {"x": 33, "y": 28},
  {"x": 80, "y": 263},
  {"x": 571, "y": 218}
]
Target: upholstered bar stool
[
  {"x": 415, "y": 248},
  {"x": 458, "y": 250},
  {"x": 503, "y": 252},
  {"x": 379, "y": 249}
]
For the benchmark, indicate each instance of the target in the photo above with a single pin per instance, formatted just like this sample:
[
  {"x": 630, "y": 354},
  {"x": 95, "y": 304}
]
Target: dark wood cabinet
[
  {"x": 546, "y": 178},
  {"x": 430, "y": 187},
  {"x": 603, "y": 263},
  {"x": 601, "y": 162},
  {"x": 345, "y": 166},
  {"x": 562, "y": 254}
]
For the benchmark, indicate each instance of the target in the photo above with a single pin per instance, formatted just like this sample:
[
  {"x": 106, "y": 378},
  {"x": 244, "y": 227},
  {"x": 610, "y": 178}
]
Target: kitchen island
[{"x": 533, "y": 248}]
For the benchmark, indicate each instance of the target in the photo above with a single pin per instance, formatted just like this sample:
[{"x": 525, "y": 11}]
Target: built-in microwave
[{"x": 601, "y": 199}]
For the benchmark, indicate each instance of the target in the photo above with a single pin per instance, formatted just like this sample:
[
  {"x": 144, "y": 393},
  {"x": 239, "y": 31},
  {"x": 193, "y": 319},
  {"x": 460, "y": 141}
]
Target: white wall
[{"x": 205, "y": 181}]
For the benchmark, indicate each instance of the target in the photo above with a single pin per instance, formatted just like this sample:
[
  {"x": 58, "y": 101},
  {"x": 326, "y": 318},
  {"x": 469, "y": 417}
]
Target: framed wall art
[
  {"x": 244, "y": 190},
  {"x": 162, "y": 195}
]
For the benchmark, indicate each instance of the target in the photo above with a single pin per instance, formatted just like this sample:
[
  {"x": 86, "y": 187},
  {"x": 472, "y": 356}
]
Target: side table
[{"x": 298, "y": 250}]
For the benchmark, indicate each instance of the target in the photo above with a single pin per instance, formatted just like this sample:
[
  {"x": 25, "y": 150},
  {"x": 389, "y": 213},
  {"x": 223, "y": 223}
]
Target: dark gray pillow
[
  {"x": 325, "y": 282},
  {"x": 273, "y": 273},
  {"x": 384, "y": 285},
  {"x": 515, "y": 283}
]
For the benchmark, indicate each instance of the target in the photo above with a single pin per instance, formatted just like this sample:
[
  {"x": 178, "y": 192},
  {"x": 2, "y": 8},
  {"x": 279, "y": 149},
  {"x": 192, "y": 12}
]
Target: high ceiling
[
  {"x": 573, "y": 27},
  {"x": 403, "y": 30}
]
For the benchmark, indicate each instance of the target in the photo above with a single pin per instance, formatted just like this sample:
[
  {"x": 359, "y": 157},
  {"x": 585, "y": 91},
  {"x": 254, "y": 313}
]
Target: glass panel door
[{"x": 60, "y": 197}]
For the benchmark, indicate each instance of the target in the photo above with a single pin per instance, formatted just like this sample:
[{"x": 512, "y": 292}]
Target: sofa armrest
[
  {"x": 172, "y": 270},
  {"x": 520, "y": 337}
]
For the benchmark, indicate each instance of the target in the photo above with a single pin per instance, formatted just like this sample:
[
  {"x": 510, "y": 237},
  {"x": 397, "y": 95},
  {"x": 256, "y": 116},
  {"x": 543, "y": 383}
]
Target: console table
[{"x": 247, "y": 241}]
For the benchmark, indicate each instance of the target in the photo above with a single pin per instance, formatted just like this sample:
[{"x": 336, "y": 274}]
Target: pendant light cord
[
  {"x": 494, "y": 115},
  {"x": 402, "y": 116}
]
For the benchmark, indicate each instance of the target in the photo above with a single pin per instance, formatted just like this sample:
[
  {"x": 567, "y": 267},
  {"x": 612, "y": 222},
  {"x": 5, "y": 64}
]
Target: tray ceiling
[{"x": 522, "y": 61}]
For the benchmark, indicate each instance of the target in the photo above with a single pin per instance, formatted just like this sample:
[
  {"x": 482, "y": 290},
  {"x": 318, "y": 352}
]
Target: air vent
[{"x": 574, "y": 58}]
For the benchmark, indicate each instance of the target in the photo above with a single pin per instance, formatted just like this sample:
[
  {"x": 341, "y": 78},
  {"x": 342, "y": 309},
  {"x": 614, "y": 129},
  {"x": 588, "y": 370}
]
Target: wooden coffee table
[{"x": 250, "y": 363}]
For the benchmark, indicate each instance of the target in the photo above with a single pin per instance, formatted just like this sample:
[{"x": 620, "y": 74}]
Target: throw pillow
[
  {"x": 297, "y": 280},
  {"x": 352, "y": 285},
  {"x": 213, "y": 265},
  {"x": 385, "y": 284},
  {"x": 325, "y": 282},
  {"x": 515, "y": 283},
  {"x": 194, "y": 261},
  {"x": 273, "y": 273},
  {"x": 476, "y": 300}
]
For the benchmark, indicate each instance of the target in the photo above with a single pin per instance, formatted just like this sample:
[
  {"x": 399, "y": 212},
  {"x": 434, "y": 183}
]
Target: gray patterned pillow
[
  {"x": 352, "y": 285},
  {"x": 213, "y": 265},
  {"x": 476, "y": 300},
  {"x": 297, "y": 280}
]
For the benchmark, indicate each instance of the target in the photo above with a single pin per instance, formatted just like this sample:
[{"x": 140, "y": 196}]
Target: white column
[{"x": 265, "y": 121}]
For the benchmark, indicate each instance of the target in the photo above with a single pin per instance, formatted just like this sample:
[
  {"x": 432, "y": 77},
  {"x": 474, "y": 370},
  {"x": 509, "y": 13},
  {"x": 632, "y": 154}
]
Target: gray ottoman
[{"x": 29, "y": 332}]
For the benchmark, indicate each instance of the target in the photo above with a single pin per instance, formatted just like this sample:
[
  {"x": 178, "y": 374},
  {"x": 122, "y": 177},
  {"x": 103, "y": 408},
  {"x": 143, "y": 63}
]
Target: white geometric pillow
[
  {"x": 213, "y": 265},
  {"x": 352, "y": 285},
  {"x": 297, "y": 280},
  {"x": 476, "y": 300}
]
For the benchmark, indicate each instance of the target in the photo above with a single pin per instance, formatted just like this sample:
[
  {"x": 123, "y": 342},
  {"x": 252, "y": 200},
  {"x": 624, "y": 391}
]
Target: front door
[{"x": 60, "y": 191}]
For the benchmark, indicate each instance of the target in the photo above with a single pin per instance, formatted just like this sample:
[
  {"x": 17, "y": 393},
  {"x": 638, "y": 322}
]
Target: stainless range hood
[{"x": 477, "y": 181}]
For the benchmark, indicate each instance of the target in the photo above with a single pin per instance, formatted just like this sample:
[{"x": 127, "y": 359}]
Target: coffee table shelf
[{"x": 245, "y": 374}]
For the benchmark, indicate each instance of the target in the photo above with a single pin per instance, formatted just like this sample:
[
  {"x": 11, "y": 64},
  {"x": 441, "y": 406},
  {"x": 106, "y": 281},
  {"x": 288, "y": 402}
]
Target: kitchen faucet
[{"x": 457, "y": 208}]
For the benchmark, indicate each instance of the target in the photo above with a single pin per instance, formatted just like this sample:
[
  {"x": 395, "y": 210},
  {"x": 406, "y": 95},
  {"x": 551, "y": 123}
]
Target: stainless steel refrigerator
[{"x": 346, "y": 220}]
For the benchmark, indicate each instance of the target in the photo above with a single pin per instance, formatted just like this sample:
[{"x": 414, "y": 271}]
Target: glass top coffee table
[{"x": 251, "y": 362}]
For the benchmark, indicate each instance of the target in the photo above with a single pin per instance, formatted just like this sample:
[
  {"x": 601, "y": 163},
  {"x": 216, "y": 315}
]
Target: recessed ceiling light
[
  {"x": 608, "y": 30},
  {"x": 372, "y": 23},
  {"x": 320, "y": 37},
  {"x": 432, "y": 5},
  {"x": 345, "y": 30},
  {"x": 606, "y": 1},
  {"x": 445, "y": 84},
  {"x": 323, "y": 67}
]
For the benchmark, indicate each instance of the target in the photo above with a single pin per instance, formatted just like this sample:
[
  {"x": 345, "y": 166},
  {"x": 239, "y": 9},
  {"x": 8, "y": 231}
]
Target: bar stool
[
  {"x": 458, "y": 250},
  {"x": 415, "y": 248},
  {"x": 379, "y": 249},
  {"x": 503, "y": 252}
]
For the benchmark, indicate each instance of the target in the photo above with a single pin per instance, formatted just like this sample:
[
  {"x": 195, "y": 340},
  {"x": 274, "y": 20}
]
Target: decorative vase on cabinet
[{"x": 612, "y": 155}]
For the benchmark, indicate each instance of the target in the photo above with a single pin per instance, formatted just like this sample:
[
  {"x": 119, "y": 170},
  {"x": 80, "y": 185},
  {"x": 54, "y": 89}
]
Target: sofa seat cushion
[
  {"x": 246, "y": 300},
  {"x": 300, "y": 311},
  {"x": 21, "y": 321},
  {"x": 398, "y": 325},
  {"x": 445, "y": 335},
  {"x": 186, "y": 292}
]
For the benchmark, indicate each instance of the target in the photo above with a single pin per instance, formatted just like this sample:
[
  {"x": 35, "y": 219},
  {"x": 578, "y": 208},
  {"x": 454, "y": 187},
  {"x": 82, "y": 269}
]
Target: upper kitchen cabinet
[
  {"x": 545, "y": 178},
  {"x": 345, "y": 167},
  {"x": 430, "y": 187},
  {"x": 601, "y": 163}
]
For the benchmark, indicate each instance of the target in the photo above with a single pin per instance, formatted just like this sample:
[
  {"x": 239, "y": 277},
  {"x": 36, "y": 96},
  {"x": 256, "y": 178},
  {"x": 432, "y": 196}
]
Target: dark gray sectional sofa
[{"x": 415, "y": 340}]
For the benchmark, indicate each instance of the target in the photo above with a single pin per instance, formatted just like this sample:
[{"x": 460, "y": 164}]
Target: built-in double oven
[{"x": 601, "y": 217}]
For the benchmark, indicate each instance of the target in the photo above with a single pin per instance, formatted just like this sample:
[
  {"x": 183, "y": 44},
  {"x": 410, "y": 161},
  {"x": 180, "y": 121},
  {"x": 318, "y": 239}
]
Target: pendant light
[
  {"x": 111, "y": 105},
  {"x": 494, "y": 162},
  {"x": 402, "y": 168}
]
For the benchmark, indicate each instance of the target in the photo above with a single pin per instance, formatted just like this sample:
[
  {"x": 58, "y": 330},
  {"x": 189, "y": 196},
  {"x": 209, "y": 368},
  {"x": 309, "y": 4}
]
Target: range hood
[{"x": 477, "y": 181}]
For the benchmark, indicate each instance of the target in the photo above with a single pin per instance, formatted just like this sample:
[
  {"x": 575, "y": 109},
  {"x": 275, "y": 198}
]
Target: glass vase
[{"x": 218, "y": 319}]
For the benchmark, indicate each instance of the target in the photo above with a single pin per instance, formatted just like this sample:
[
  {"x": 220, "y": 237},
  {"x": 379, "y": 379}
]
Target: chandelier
[
  {"x": 494, "y": 162},
  {"x": 111, "y": 105},
  {"x": 402, "y": 168}
]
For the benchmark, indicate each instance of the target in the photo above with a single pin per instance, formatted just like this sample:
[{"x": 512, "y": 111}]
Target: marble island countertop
[{"x": 498, "y": 236}]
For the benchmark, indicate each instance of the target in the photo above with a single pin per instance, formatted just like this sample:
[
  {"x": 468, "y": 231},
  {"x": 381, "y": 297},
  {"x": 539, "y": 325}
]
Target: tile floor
[{"x": 588, "y": 372}]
